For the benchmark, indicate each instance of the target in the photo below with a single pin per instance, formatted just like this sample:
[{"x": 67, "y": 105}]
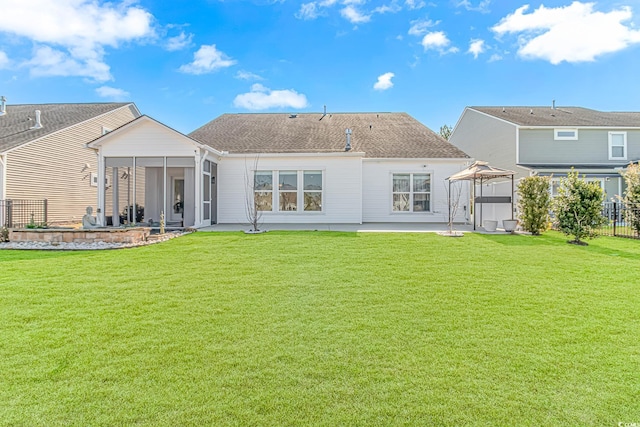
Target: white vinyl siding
[
  {"x": 617, "y": 145},
  {"x": 340, "y": 195},
  {"x": 565, "y": 134}
]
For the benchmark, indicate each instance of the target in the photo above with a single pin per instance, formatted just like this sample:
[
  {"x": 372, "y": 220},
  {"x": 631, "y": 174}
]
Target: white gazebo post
[{"x": 102, "y": 182}]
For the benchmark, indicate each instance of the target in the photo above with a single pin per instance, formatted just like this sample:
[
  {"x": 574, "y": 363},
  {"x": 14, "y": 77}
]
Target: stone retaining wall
[{"x": 60, "y": 235}]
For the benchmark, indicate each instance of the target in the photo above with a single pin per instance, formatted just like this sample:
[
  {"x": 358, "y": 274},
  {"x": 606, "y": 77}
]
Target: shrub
[
  {"x": 632, "y": 195},
  {"x": 4, "y": 234},
  {"x": 534, "y": 203},
  {"x": 578, "y": 208}
]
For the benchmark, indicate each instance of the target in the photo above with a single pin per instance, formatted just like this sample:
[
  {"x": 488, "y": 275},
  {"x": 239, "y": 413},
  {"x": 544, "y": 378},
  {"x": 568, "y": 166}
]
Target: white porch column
[
  {"x": 198, "y": 190},
  {"x": 101, "y": 187},
  {"x": 115, "y": 193}
]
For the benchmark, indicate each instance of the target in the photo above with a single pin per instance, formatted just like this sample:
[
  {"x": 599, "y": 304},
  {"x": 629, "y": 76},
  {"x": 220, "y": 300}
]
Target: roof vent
[
  {"x": 38, "y": 124},
  {"x": 293, "y": 116},
  {"x": 324, "y": 113},
  {"x": 531, "y": 111},
  {"x": 3, "y": 105},
  {"x": 348, "y": 132},
  {"x": 553, "y": 104},
  {"x": 504, "y": 110}
]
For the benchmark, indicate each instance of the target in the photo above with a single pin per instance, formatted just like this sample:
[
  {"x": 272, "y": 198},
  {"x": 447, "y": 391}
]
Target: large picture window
[
  {"x": 411, "y": 192},
  {"x": 296, "y": 191}
]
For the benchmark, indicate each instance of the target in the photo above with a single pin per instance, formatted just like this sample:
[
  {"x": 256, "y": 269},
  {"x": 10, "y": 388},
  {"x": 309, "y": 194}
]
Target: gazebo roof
[{"x": 481, "y": 170}]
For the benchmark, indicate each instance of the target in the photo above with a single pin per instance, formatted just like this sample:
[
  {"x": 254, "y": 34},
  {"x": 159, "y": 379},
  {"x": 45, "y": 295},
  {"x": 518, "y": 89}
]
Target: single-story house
[
  {"x": 43, "y": 155},
  {"x": 296, "y": 168}
]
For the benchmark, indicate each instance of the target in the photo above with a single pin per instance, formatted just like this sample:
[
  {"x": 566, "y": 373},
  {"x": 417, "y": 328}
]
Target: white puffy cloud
[
  {"x": 82, "y": 28},
  {"x": 392, "y": 7},
  {"x": 308, "y": 11},
  {"x": 574, "y": 33},
  {"x": 420, "y": 26},
  {"x": 4, "y": 60},
  {"x": 353, "y": 15},
  {"x": 413, "y": 4},
  {"x": 51, "y": 62},
  {"x": 112, "y": 93},
  {"x": 438, "y": 40},
  {"x": 263, "y": 98},
  {"x": 247, "y": 75},
  {"x": 178, "y": 42},
  {"x": 384, "y": 82},
  {"x": 476, "y": 47},
  {"x": 207, "y": 59}
]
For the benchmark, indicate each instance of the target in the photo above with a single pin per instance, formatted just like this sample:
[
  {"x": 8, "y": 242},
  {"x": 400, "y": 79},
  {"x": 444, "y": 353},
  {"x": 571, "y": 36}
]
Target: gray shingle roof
[
  {"x": 15, "y": 125},
  {"x": 378, "y": 135},
  {"x": 562, "y": 116}
]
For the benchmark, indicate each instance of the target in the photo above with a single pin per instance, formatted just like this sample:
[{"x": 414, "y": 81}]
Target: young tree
[
  {"x": 453, "y": 191},
  {"x": 445, "y": 131},
  {"x": 578, "y": 208},
  {"x": 534, "y": 203},
  {"x": 632, "y": 195},
  {"x": 252, "y": 208}
]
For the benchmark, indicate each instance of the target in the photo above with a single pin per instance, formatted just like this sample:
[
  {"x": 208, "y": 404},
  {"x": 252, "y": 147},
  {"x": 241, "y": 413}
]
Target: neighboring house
[
  {"x": 298, "y": 168},
  {"x": 43, "y": 153},
  {"x": 552, "y": 140}
]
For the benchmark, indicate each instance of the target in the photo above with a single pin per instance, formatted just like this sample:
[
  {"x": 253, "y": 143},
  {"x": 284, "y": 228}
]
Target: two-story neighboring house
[
  {"x": 552, "y": 140},
  {"x": 43, "y": 154}
]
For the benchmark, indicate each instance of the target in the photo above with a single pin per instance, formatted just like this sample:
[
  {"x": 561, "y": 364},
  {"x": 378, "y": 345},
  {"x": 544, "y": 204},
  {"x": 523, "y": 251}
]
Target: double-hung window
[
  {"x": 617, "y": 146},
  {"x": 411, "y": 192},
  {"x": 296, "y": 191}
]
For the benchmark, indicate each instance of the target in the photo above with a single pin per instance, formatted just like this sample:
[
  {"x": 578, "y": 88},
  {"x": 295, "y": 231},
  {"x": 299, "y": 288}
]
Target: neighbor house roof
[
  {"x": 378, "y": 135},
  {"x": 562, "y": 116},
  {"x": 15, "y": 125}
]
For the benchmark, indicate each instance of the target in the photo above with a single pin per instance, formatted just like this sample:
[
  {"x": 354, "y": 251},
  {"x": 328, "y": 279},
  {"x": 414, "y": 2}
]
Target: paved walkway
[{"x": 362, "y": 228}]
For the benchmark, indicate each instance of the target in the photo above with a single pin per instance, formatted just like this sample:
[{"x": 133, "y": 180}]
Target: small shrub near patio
[
  {"x": 632, "y": 196},
  {"x": 534, "y": 203},
  {"x": 578, "y": 208}
]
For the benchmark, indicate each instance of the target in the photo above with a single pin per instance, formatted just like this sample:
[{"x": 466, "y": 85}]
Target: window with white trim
[
  {"x": 617, "y": 145},
  {"x": 411, "y": 192},
  {"x": 565, "y": 134},
  {"x": 288, "y": 195}
]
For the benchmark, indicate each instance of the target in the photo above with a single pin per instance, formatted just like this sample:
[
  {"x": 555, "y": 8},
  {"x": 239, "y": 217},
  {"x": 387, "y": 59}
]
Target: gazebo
[{"x": 484, "y": 172}]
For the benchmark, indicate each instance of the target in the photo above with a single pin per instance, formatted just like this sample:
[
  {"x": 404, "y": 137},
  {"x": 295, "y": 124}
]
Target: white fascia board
[
  {"x": 581, "y": 127},
  {"x": 493, "y": 117},
  {"x": 68, "y": 127},
  {"x": 419, "y": 159}
]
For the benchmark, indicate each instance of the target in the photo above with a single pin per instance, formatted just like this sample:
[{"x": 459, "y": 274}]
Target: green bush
[
  {"x": 578, "y": 208},
  {"x": 632, "y": 195},
  {"x": 534, "y": 203}
]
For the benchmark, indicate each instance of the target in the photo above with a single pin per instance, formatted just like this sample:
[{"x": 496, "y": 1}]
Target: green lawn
[{"x": 314, "y": 328}]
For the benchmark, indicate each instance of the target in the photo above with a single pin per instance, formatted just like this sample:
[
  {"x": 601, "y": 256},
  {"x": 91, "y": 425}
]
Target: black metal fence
[
  {"x": 21, "y": 213},
  {"x": 623, "y": 220}
]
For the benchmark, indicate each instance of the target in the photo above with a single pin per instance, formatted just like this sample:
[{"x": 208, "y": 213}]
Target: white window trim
[
  {"x": 275, "y": 193},
  {"x": 624, "y": 146},
  {"x": 587, "y": 179},
  {"x": 411, "y": 193},
  {"x": 565, "y": 138}
]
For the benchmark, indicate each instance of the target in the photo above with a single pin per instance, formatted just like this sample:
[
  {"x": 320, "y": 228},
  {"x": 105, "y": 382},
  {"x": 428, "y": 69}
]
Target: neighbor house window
[
  {"x": 411, "y": 192},
  {"x": 565, "y": 134},
  {"x": 617, "y": 146},
  {"x": 312, "y": 191},
  {"x": 555, "y": 184},
  {"x": 263, "y": 190}
]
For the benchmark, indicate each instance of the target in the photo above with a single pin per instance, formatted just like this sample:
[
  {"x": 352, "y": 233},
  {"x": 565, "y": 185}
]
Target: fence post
[
  {"x": 46, "y": 210},
  {"x": 615, "y": 217},
  {"x": 9, "y": 213}
]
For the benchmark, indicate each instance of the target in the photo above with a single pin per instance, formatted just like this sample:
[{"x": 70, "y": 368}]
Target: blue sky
[{"x": 186, "y": 62}]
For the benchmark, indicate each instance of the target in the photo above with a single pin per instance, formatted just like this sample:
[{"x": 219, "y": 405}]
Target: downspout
[{"x": 3, "y": 162}]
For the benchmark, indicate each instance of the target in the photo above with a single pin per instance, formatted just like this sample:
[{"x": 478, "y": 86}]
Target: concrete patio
[{"x": 361, "y": 228}]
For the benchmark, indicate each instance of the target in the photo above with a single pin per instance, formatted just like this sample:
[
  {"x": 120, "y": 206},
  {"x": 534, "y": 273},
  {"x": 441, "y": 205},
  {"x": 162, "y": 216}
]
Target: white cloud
[
  {"x": 384, "y": 82},
  {"x": 574, "y": 33},
  {"x": 247, "y": 75},
  {"x": 178, "y": 42},
  {"x": 83, "y": 28},
  {"x": 437, "y": 40},
  {"x": 263, "y": 98},
  {"x": 392, "y": 7},
  {"x": 476, "y": 47},
  {"x": 308, "y": 11},
  {"x": 207, "y": 60},
  {"x": 352, "y": 15},
  {"x": 420, "y": 26},
  {"x": 50, "y": 62},
  {"x": 495, "y": 57},
  {"x": 413, "y": 4},
  {"x": 4, "y": 60},
  {"x": 112, "y": 93},
  {"x": 482, "y": 6}
]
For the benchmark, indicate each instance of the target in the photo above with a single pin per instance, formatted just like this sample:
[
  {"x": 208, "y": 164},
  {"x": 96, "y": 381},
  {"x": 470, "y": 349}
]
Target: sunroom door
[{"x": 206, "y": 193}]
